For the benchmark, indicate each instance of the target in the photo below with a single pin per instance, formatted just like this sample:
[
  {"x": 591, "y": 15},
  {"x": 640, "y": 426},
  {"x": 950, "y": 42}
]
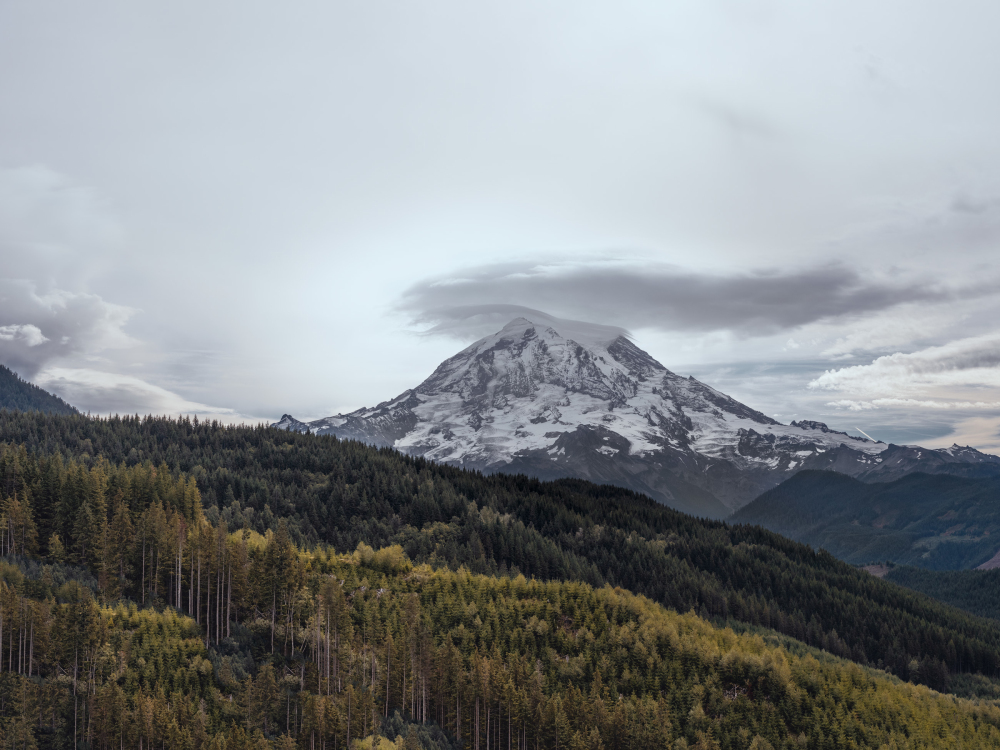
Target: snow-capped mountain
[{"x": 529, "y": 400}]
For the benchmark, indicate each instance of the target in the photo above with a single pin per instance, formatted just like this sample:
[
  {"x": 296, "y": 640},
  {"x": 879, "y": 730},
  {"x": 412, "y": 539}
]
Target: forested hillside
[
  {"x": 253, "y": 643},
  {"x": 930, "y": 521},
  {"x": 975, "y": 591},
  {"x": 343, "y": 493},
  {"x": 19, "y": 394},
  {"x": 177, "y": 584}
]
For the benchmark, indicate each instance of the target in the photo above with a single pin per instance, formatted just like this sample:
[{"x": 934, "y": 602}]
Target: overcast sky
[{"x": 245, "y": 209}]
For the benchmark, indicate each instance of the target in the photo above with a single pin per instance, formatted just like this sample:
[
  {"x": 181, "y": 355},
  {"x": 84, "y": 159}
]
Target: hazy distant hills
[
  {"x": 590, "y": 404},
  {"x": 21, "y": 395},
  {"x": 938, "y": 522}
]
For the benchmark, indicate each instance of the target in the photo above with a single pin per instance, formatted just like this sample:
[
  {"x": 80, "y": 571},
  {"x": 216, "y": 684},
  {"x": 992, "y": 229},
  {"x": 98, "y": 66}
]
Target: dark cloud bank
[{"x": 668, "y": 298}]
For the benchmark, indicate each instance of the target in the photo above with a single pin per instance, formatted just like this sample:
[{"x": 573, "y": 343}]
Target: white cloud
[
  {"x": 891, "y": 330},
  {"x": 966, "y": 363},
  {"x": 958, "y": 382},
  {"x": 104, "y": 393},
  {"x": 876, "y": 403},
  {"x": 29, "y": 334}
]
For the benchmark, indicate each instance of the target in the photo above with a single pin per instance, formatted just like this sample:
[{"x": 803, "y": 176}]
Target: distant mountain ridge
[
  {"x": 933, "y": 521},
  {"x": 19, "y": 394},
  {"x": 529, "y": 400}
]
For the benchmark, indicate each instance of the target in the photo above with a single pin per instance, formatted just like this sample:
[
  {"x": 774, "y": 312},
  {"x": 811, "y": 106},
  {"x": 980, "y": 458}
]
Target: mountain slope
[
  {"x": 938, "y": 522},
  {"x": 427, "y": 658},
  {"x": 340, "y": 493},
  {"x": 19, "y": 394},
  {"x": 529, "y": 400},
  {"x": 975, "y": 591}
]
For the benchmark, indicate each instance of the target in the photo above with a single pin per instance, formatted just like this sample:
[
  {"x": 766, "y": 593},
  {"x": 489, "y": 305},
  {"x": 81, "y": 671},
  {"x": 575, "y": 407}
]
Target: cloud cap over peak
[
  {"x": 476, "y": 321},
  {"x": 665, "y": 297}
]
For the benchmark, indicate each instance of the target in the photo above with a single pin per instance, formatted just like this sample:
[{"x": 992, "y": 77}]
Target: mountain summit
[{"x": 529, "y": 400}]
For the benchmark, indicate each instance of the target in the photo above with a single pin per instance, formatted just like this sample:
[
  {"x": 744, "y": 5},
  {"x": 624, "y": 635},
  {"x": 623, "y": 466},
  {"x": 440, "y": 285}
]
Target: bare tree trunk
[
  {"x": 218, "y": 601},
  {"x": 76, "y": 702},
  {"x": 180, "y": 573},
  {"x": 208, "y": 607}
]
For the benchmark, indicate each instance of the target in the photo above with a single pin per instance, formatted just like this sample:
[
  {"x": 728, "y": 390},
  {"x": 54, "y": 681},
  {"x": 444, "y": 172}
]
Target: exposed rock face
[{"x": 527, "y": 400}]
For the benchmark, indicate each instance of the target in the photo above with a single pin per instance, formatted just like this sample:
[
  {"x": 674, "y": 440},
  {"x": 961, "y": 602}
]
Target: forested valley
[{"x": 170, "y": 583}]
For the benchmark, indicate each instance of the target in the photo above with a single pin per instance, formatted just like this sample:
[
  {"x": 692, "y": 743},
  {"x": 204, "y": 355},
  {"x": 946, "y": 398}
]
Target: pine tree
[{"x": 85, "y": 533}]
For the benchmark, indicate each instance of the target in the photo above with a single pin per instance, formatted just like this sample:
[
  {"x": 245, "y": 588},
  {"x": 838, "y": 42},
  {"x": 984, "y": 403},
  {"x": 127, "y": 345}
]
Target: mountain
[
  {"x": 529, "y": 400},
  {"x": 938, "y": 522},
  {"x": 332, "y": 495},
  {"x": 19, "y": 394}
]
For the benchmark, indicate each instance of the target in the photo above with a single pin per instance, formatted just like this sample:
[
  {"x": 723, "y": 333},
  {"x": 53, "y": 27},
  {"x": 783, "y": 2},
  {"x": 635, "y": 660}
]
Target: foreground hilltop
[
  {"x": 595, "y": 406},
  {"x": 241, "y": 587},
  {"x": 77, "y": 471},
  {"x": 438, "y": 660}
]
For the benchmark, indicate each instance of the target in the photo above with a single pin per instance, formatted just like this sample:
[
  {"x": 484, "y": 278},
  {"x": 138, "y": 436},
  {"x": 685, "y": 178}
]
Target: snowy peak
[
  {"x": 523, "y": 358},
  {"x": 288, "y": 422},
  {"x": 531, "y": 399},
  {"x": 966, "y": 453}
]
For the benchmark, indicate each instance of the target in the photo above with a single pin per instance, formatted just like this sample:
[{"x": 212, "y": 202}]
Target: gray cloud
[
  {"x": 739, "y": 121},
  {"x": 476, "y": 321},
  {"x": 53, "y": 231},
  {"x": 36, "y": 329},
  {"x": 663, "y": 297}
]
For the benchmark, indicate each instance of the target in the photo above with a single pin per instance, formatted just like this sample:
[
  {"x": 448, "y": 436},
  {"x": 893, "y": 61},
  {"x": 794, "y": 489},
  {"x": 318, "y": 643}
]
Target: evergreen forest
[
  {"x": 17, "y": 393},
  {"x": 975, "y": 591},
  {"x": 932, "y": 521},
  {"x": 182, "y": 584}
]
